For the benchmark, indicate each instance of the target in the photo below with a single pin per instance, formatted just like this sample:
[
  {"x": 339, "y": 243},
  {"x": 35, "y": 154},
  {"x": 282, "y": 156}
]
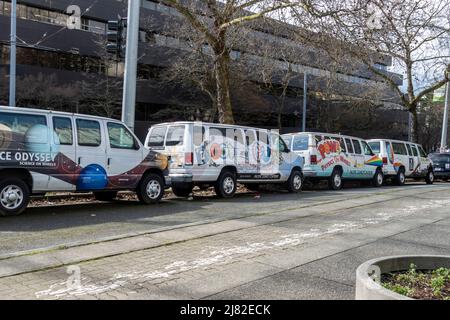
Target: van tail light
[
  {"x": 189, "y": 158},
  {"x": 313, "y": 159},
  {"x": 385, "y": 160}
]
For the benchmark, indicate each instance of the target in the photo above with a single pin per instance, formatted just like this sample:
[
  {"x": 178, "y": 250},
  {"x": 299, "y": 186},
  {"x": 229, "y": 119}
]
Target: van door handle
[
  {"x": 109, "y": 161},
  {"x": 79, "y": 160}
]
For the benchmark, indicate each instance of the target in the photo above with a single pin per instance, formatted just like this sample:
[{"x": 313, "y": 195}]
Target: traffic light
[{"x": 116, "y": 38}]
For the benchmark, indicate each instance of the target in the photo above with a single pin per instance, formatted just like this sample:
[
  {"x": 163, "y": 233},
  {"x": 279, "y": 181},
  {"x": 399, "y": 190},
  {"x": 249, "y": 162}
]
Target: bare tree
[
  {"x": 413, "y": 32},
  {"x": 215, "y": 23}
]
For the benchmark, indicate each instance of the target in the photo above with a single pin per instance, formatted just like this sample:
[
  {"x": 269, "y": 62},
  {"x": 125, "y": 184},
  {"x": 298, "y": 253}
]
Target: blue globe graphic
[
  {"x": 37, "y": 140},
  {"x": 93, "y": 177}
]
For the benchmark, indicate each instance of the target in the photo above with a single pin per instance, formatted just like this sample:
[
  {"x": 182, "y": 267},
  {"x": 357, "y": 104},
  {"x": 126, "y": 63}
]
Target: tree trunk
[
  {"x": 222, "y": 73},
  {"x": 414, "y": 124}
]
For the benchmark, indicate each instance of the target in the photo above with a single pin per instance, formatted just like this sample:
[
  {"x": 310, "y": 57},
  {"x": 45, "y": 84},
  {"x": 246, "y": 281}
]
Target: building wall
[{"x": 74, "y": 57}]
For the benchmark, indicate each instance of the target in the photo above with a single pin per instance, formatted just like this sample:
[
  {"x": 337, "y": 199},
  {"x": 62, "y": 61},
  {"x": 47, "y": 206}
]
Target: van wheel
[
  {"x": 295, "y": 182},
  {"x": 378, "y": 179},
  {"x": 335, "y": 181},
  {"x": 400, "y": 179},
  {"x": 182, "y": 191},
  {"x": 226, "y": 185},
  {"x": 430, "y": 177},
  {"x": 14, "y": 197},
  {"x": 150, "y": 189},
  {"x": 105, "y": 196}
]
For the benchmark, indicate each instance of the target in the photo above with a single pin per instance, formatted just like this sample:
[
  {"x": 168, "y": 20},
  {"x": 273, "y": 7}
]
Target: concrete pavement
[{"x": 279, "y": 247}]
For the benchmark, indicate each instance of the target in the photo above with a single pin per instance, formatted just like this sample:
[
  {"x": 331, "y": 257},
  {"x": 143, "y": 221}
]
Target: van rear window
[
  {"x": 16, "y": 127},
  {"x": 375, "y": 146},
  {"x": 301, "y": 143},
  {"x": 157, "y": 137},
  {"x": 175, "y": 136}
]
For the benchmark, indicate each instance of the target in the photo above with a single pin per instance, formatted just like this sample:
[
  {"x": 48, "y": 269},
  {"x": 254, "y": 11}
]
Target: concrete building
[{"x": 75, "y": 74}]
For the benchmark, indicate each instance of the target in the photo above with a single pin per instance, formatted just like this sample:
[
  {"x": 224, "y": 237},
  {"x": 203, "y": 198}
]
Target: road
[{"x": 277, "y": 246}]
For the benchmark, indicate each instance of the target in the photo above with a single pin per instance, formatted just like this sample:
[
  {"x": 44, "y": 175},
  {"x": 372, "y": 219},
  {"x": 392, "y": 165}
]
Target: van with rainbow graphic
[
  {"x": 336, "y": 158},
  {"x": 403, "y": 160}
]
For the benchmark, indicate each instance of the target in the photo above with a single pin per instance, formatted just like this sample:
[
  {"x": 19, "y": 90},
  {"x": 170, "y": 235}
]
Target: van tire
[
  {"x": 295, "y": 182},
  {"x": 150, "y": 189},
  {"x": 182, "y": 191},
  {"x": 105, "y": 196},
  {"x": 378, "y": 179},
  {"x": 335, "y": 181},
  {"x": 18, "y": 188},
  {"x": 429, "y": 179},
  {"x": 226, "y": 185},
  {"x": 400, "y": 178}
]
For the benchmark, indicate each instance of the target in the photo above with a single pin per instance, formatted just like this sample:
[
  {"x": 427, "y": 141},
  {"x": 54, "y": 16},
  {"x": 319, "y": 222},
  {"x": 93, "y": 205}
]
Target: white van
[
  {"x": 336, "y": 158},
  {"x": 403, "y": 160},
  {"x": 44, "y": 151},
  {"x": 207, "y": 154}
]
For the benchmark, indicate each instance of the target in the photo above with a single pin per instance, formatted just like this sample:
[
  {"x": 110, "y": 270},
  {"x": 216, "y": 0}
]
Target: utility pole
[
  {"x": 12, "y": 58},
  {"x": 445, "y": 122},
  {"x": 305, "y": 100},
  {"x": 129, "y": 86}
]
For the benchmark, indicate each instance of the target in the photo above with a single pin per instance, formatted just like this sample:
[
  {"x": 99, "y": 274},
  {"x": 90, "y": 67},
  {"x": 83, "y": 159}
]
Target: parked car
[
  {"x": 336, "y": 158},
  {"x": 207, "y": 154},
  {"x": 441, "y": 165},
  {"x": 403, "y": 160},
  {"x": 44, "y": 151}
]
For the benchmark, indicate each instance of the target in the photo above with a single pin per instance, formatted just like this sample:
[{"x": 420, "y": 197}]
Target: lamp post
[{"x": 12, "y": 58}]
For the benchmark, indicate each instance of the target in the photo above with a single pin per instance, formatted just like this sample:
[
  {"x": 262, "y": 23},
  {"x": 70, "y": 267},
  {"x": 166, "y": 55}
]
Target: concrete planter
[{"x": 368, "y": 289}]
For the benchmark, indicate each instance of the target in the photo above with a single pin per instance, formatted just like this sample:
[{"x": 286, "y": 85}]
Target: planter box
[{"x": 368, "y": 289}]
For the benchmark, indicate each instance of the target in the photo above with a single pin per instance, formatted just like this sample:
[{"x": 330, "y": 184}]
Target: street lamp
[
  {"x": 445, "y": 121},
  {"x": 12, "y": 58}
]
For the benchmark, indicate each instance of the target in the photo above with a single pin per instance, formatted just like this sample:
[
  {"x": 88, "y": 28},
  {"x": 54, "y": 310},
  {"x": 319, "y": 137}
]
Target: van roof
[
  {"x": 43, "y": 111},
  {"x": 323, "y": 134},
  {"x": 392, "y": 140},
  {"x": 208, "y": 124}
]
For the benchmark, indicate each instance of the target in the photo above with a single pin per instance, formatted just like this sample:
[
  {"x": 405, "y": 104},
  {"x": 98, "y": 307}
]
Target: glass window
[
  {"x": 175, "y": 136},
  {"x": 414, "y": 150},
  {"x": 22, "y": 128},
  {"x": 436, "y": 157},
  {"x": 88, "y": 133},
  {"x": 157, "y": 137},
  {"x": 288, "y": 140},
  {"x": 399, "y": 148},
  {"x": 422, "y": 152},
  {"x": 366, "y": 148},
  {"x": 409, "y": 149},
  {"x": 375, "y": 146},
  {"x": 342, "y": 144},
  {"x": 120, "y": 137},
  {"x": 349, "y": 146},
  {"x": 63, "y": 129},
  {"x": 357, "y": 146},
  {"x": 301, "y": 143}
]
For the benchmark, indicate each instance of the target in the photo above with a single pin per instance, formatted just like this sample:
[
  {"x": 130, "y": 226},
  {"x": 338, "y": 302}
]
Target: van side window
[
  {"x": 375, "y": 146},
  {"x": 16, "y": 127},
  {"x": 357, "y": 146},
  {"x": 409, "y": 149},
  {"x": 157, "y": 137},
  {"x": 366, "y": 148},
  {"x": 120, "y": 137},
  {"x": 342, "y": 144},
  {"x": 399, "y": 148},
  {"x": 422, "y": 152},
  {"x": 175, "y": 136},
  {"x": 288, "y": 140},
  {"x": 88, "y": 133},
  {"x": 349, "y": 146},
  {"x": 63, "y": 129},
  {"x": 414, "y": 150},
  {"x": 199, "y": 135}
]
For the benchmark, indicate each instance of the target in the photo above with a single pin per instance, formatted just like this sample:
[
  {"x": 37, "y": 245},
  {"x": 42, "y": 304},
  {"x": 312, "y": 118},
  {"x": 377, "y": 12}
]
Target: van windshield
[
  {"x": 375, "y": 146},
  {"x": 300, "y": 143},
  {"x": 175, "y": 136},
  {"x": 157, "y": 136}
]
